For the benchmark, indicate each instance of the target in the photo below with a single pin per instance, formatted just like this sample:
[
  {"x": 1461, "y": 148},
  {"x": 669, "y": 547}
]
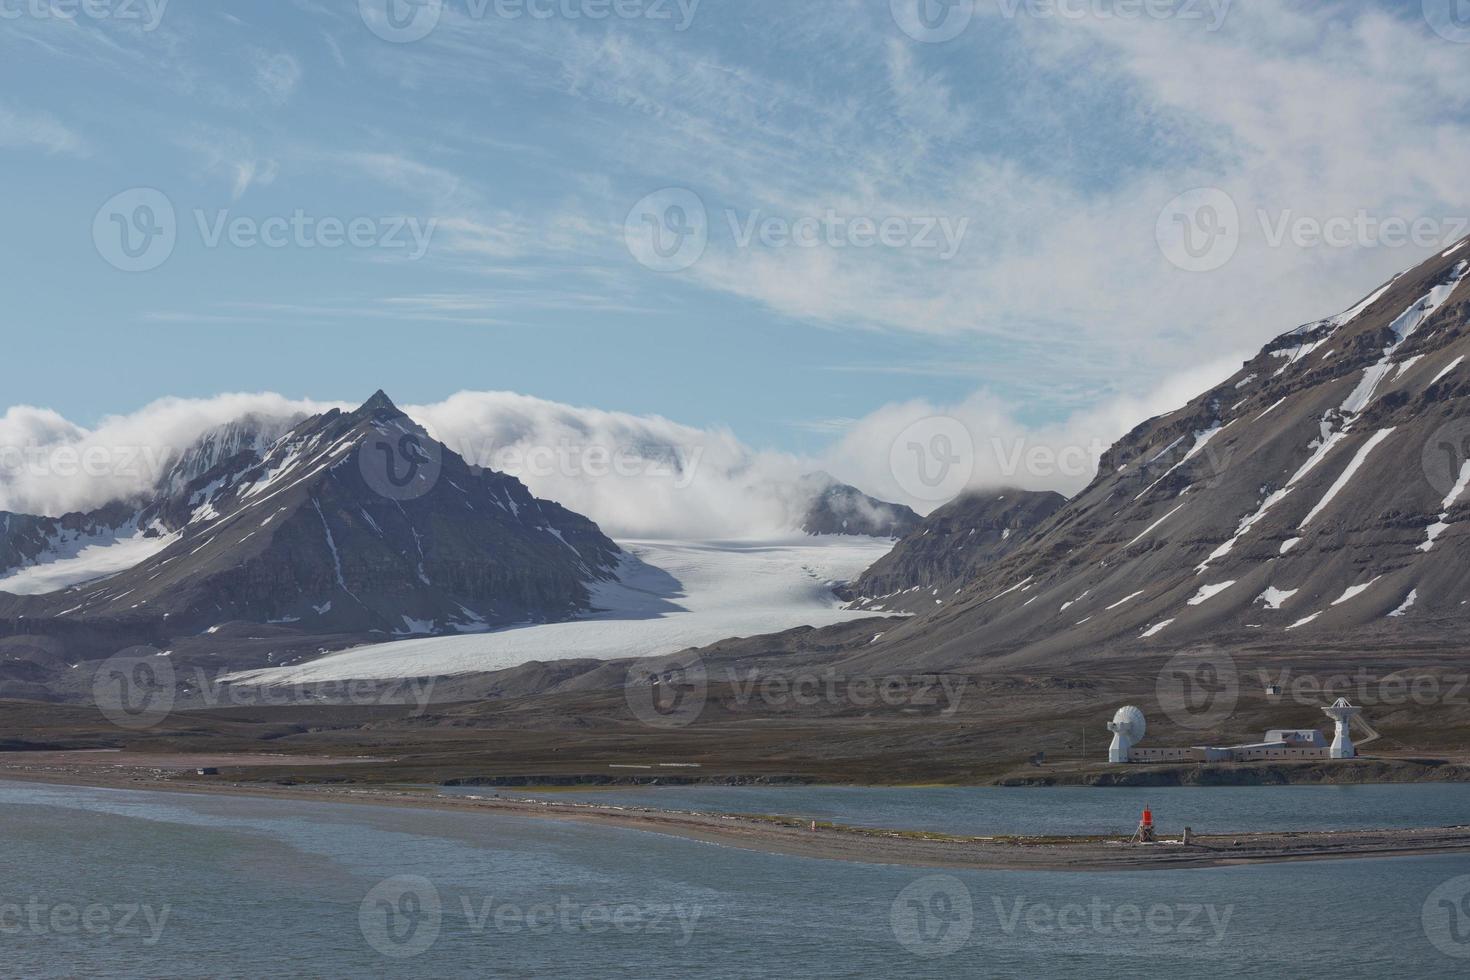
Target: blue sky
[{"x": 1055, "y": 139}]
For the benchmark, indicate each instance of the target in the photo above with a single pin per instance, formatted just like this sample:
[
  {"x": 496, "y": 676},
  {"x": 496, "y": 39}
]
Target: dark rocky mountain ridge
[
  {"x": 1318, "y": 495},
  {"x": 837, "y": 508},
  {"x": 352, "y": 524},
  {"x": 950, "y": 547}
]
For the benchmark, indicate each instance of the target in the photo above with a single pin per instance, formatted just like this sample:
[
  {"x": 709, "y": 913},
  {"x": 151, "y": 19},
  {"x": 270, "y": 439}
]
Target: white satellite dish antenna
[{"x": 1128, "y": 727}]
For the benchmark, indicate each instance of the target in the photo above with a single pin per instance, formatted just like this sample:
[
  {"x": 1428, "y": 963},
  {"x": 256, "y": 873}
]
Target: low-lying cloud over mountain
[{"x": 635, "y": 475}]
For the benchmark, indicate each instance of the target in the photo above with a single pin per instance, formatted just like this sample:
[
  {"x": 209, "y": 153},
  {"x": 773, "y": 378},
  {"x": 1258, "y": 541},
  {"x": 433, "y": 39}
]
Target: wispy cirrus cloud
[{"x": 39, "y": 131}]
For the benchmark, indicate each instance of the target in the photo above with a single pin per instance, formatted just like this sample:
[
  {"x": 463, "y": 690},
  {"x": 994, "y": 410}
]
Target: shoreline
[{"x": 793, "y": 837}]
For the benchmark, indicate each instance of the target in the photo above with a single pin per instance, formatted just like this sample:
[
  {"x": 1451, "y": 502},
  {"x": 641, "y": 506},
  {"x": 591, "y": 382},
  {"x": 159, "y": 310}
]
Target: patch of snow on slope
[
  {"x": 1446, "y": 372},
  {"x": 1208, "y": 592},
  {"x": 1201, "y": 440},
  {"x": 1343, "y": 319},
  {"x": 1124, "y": 601},
  {"x": 672, "y": 595},
  {"x": 1328, "y": 442},
  {"x": 1409, "y": 321},
  {"x": 1275, "y": 598},
  {"x": 1303, "y": 622},
  {"x": 1353, "y": 591},
  {"x": 1269, "y": 410},
  {"x": 1155, "y": 629},
  {"x": 1348, "y": 474},
  {"x": 1019, "y": 585},
  {"x": 91, "y": 559},
  {"x": 1443, "y": 524},
  {"x": 1406, "y": 366},
  {"x": 1151, "y": 528},
  {"x": 1408, "y": 604}
]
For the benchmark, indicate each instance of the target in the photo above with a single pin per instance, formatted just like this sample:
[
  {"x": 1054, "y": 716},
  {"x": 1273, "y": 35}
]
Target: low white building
[{"x": 1280, "y": 744}]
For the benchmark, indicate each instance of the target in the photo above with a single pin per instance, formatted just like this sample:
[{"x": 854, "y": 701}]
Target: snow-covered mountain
[
  {"x": 1321, "y": 494},
  {"x": 43, "y": 554},
  {"x": 348, "y": 523}
]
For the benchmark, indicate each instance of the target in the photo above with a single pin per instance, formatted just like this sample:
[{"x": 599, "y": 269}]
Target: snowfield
[
  {"x": 673, "y": 595},
  {"x": 82, "y": 560}
]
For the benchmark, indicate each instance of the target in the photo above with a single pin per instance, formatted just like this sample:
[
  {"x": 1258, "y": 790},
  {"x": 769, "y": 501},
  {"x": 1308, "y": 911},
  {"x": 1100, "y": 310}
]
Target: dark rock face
[
  {"x": 350, "y": 524},
  {"x": 952, "y": 546},
  {"x": 840, "y": 509},
  {"x": 1319, "y": 495}
]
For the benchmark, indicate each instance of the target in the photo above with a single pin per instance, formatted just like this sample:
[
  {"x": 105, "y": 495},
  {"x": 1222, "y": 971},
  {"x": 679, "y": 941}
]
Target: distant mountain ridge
[
  {"x": 1321, "y": 491},
  {"x": 950, "y": 547},
  {"x": 349, "y": 523},
  {"x": 837, "y": 508}
]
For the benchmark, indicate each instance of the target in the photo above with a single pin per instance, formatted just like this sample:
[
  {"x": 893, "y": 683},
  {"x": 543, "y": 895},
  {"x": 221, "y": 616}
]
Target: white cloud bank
[{"x": 636, "y": 475}]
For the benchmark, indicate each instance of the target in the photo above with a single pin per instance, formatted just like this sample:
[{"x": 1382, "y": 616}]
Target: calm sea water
[
  {"x": 173, "y": 885},
  {"x": 1062, "y": 810}
]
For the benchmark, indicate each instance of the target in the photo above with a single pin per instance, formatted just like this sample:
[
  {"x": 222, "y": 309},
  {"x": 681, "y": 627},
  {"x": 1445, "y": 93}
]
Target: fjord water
[
  {"x": 244, "y": 887},
  {"x": 1063, "y": 810}
]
